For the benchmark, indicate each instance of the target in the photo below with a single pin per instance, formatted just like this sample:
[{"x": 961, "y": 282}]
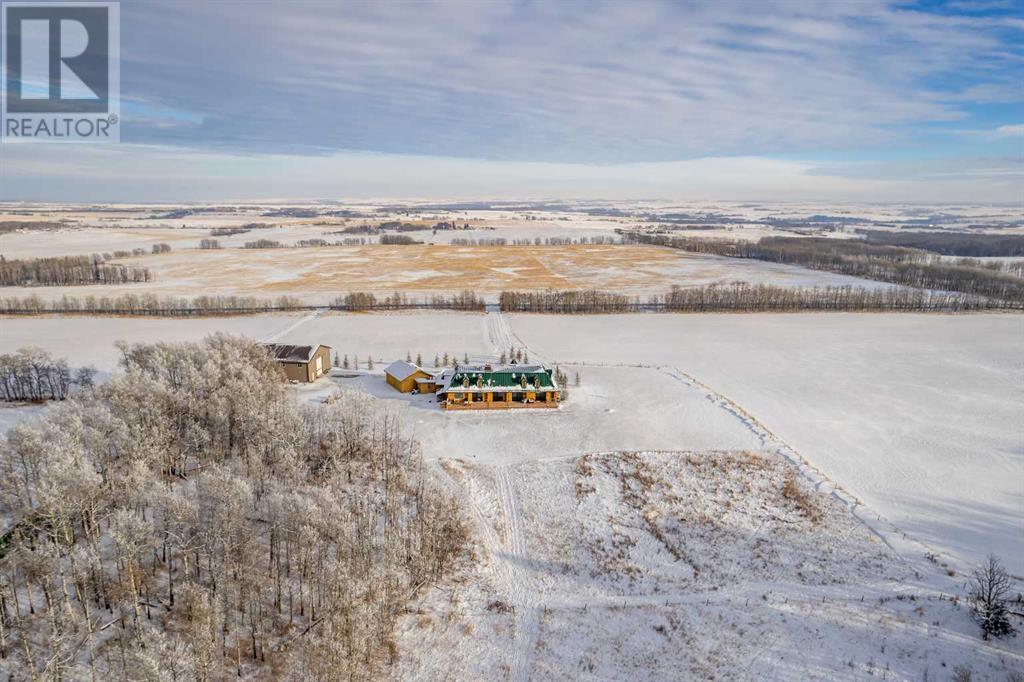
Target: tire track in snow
[
  {"x": 498, "y": 332},
  {"x": 527, "y": 611},
  {"x": 508, "y": 565},
  {"x": 295, "y": 325}
]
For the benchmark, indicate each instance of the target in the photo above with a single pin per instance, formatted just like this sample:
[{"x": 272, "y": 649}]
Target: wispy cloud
[
  {"x": 234, "y": 98},
  {"x": 595, "y": 82}
]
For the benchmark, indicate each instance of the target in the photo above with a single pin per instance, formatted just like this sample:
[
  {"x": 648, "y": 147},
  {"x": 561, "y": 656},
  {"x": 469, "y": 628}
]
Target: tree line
[
  {"x": 206, "y": 306},
  {"x": 951, "y": 243},
  {"x": 743, "y": 297},
  {"x": 367, "y": 301},
  {"x": 68, "y": 271},
  {"x": 536, "y": 241},
  {"x": 32, "y": 374},
  {"x": 857, "y": 258},
  {"x": 189, "y": 519}
]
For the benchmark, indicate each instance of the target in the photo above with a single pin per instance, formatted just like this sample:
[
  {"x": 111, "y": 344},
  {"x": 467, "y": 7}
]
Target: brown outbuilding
[{"x": 301, "y": 363}]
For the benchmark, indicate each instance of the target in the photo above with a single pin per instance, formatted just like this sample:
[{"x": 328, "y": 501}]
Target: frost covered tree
[
  {"x": 503, "y": 359},
  {"x": 576, "y": 382},
  {"x": 369, "y": 362},
  {"x": 989, "y": 592},
  {"x": 188, "y": 519},
  {"x": 419, "y": 360},
  {"x": 85, "y": 377},
  {"x": 437, "y": 361},
  {"x": 445, "y": 359},
  {"x": 408, "y": 356},
  {"x": 344, "y": 362}
]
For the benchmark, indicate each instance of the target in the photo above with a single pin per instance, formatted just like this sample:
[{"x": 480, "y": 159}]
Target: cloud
[
  {"x": 596, "y": 83},
  {"x": 1016, "y": 130}
]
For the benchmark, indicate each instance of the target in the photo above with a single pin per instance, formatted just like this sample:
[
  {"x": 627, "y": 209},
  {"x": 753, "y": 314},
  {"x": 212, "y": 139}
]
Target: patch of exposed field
[
  {"x": 680, "y": 565},
  {"x": 920, "y": 416},
  {"x": 317, "y": 274},
  {"x": 634, "y": 269}
]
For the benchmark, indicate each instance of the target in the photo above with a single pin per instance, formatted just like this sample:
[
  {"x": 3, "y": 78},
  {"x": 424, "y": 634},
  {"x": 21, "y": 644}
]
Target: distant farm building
[{"x": 301, "y": 363}]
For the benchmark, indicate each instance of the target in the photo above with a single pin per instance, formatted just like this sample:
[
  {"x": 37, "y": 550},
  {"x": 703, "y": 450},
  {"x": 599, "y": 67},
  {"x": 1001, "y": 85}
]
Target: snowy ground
[
  {"x": 644, "y": 529},
  {"x": 667, "y": 566},
  {"x": 90, "y": 340},
  {"x": 919, "y": 416}
]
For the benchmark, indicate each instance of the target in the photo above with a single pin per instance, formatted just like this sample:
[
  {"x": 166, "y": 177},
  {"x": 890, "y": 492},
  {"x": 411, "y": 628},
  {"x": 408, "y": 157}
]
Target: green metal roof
[{"x": 503, "y": 378}]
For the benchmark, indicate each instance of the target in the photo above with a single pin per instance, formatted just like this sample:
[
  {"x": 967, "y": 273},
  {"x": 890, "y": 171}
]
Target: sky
[{"x": 861, "y": 100}]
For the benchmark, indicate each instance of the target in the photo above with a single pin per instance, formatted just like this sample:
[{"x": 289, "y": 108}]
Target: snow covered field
[
  {"x": 655, "y": 527},
  {"x": 682, "y": 565},
  {"x": 920, "y": 416},
  {"x": 90, "y": 340}
]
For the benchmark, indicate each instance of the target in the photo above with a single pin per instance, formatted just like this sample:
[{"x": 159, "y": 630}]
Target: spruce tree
[
  {"x": 344, "y": 363},
  {"x": 408, "y": 356},
  {"x": 437, "y": 361},
  {"x": 419, "y": 360},
  {"x": 369, "y": 362}
]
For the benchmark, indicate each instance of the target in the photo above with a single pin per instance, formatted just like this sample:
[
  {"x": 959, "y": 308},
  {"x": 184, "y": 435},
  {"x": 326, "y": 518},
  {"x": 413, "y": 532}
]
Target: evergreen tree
[
  {"x": 577, "y": 381},
  {"x": 519, "y": 355},
  {"x": 419, "y": 360},
  {"x": 446, "y": 359},
  {"x": 355, "y": 362},
  {"x": 465, "y": 358},
  {"x": 526, "y": 358},
  {"x": 408, "y": 356},
  {"x": 437, "y": 361},
  {"x": 344, "y": 363},
  {"x": 337, "y": 359},
  {"x": 503, "y": 359},
  {"x": 369, "y": 362}
]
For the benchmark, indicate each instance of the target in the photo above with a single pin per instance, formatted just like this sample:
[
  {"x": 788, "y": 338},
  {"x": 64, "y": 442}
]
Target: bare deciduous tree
[{"x": 989, "y": 592}]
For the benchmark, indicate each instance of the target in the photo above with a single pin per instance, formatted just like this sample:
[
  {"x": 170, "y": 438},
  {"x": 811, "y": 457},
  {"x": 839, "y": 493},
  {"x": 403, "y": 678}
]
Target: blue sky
[{"x": 864, "y": 100}]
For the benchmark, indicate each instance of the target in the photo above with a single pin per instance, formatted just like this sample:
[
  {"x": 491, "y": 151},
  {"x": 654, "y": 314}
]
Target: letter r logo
[{"x": 57, "y": 59}]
